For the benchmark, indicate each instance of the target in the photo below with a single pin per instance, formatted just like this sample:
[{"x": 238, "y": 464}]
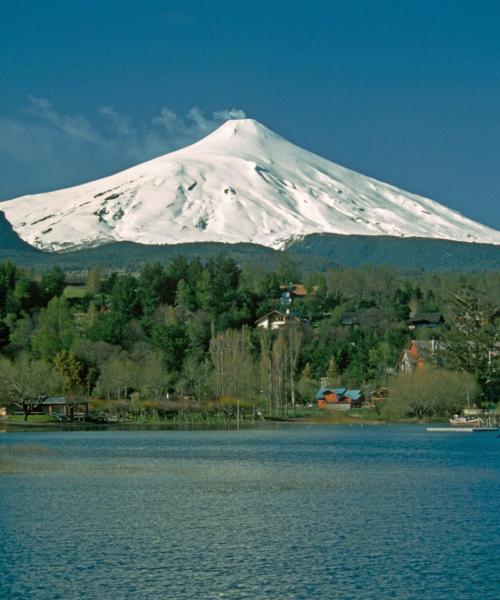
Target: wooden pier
[
  {"x": 461, "y": 429},
  {"x": 451, "y": 429}
]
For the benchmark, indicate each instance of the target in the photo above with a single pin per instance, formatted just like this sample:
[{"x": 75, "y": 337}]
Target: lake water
[{"x": 285, "y": 512}]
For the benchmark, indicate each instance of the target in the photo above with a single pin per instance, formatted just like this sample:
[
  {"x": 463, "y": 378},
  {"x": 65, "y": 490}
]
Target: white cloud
[
  {"x": 122, "y": 125},
  {"x": 76, "y": 127}
]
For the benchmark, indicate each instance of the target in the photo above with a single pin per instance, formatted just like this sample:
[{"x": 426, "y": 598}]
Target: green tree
[
  {"x": 153, "y": 378},
  {"x": 8, "y": 276},
  {"x": 472, "y": 333},
  {"x": 55, "y": 330},
  {"x": 429, "y": 393},
  {"x": 52, "y": 283},
  {"x": 124, "y": 299},
  {"x": 73, "y": 370},
  {"x": 95, "y": 278},
  {"x": 307, "y": 385},
  {"x": 172, "y": 340},
  {"x": 4, "y": 334},
  {"x": 184, "y": 297},
  {"x": 333, "y": 373},
  {"x": 287, "y": 271},
  {"x": 154, "y": 288}
]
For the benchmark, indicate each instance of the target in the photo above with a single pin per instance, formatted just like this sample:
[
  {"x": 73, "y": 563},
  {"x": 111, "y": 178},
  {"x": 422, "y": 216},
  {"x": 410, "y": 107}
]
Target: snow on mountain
[{"x": 241, "y": 183}]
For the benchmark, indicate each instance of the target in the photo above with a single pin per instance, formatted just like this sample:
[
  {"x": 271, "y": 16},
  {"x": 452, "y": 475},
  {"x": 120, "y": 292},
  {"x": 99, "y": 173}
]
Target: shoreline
[{"x": 8, "y": 426}]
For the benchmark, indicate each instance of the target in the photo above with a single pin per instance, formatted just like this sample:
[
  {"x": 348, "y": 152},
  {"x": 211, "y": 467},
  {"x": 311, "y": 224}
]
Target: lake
[{"x": 279, "y": 512}]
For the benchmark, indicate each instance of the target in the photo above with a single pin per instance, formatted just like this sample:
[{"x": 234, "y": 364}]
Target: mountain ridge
[
  {"x": 315, "y": 252},
  {"x": 241, "y": 183}
]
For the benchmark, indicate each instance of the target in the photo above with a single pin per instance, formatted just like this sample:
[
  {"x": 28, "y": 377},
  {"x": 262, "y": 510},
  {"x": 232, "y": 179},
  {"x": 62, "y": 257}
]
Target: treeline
[{"x": 184, "y": 334}]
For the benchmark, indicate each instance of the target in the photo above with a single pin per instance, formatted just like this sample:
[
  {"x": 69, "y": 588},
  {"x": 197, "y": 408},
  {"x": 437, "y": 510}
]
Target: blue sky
[{"x": 407, "y": 92}]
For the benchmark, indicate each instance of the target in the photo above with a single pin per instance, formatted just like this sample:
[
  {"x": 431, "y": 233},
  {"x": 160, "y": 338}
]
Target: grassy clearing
[
  {"x": 74, "y": 291},
  {"x": 31, "y": 419}
]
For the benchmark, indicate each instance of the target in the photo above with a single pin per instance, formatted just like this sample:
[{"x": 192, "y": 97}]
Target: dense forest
[{"x": 183, "y": 336}]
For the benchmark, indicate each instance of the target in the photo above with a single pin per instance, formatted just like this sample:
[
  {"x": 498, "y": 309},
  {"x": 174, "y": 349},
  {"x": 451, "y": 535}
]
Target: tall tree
[
  {"x": 52, "y": 283},
  {"x": 472, "y": 333},
  {"x": 55, "y": 330},
  {"x": 233, "y": 364},
  {"x": 95, "y": 278},
  {"x": 294, "y": 343}
]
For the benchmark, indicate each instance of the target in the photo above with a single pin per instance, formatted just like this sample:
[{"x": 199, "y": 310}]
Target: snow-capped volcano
[{"x": 241, "y": 183}]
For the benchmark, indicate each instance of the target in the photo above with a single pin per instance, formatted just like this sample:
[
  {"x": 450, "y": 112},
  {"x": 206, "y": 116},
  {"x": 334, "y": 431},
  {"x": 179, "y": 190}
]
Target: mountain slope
[
  {"x": 11, "y": 243},
  {"x": 242, "y": 183}
]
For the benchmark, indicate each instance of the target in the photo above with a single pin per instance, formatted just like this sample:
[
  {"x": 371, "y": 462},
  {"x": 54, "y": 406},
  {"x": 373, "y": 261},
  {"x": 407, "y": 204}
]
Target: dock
[
  {"x": 451, "y": 429},
  {"x": 461, "y": 429}
]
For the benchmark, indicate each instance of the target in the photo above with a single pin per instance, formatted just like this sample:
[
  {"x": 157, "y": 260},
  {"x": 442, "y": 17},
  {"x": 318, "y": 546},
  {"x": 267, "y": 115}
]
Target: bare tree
[
  {"x": 196, "y": 371},
  {"x": 233, "y": 364},
  {"x": 118, "y": 377},
  {"x": 153, "y": 379},
  {"x": 266, "y": 368},
  {"x": 279, "y": 366},
  {"x": 26, "y": 382},
  {"x": 294, "y": 339}
]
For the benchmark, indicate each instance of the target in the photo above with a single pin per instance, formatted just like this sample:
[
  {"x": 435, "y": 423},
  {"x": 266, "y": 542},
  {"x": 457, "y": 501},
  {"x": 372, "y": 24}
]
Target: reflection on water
[{"x": 282, "y": 512}]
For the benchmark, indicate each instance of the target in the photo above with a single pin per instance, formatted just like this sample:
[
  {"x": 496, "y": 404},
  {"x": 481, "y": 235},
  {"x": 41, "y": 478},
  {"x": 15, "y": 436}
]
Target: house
[
  {"x": 426, "y": 319},
  {"x": 276, "y": 319},
  {"x": 273, "y": 320},
  {"x": 370, "y": 318},
  {"x": 339, "y": 398},
  {"x": 62, "y": 406},
  {"x": 293, "y": 291},
  {"x": 351, "y": 318},
  {"x": 354, "y": 397},
  {"x": 417, "y": 354}
]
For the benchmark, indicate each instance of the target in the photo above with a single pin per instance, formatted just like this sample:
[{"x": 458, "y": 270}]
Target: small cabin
[
  {"x": 339, "y": 398},
  {"x": 62, "y": 406},
  {"x": 273, "y": 320},
  {"x": 428, "y": 319},
  {"x": 276, "y": 319}
]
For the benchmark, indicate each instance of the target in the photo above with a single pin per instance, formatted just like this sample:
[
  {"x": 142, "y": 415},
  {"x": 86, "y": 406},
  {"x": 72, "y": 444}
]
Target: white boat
[{"x": 457, "y": 421}]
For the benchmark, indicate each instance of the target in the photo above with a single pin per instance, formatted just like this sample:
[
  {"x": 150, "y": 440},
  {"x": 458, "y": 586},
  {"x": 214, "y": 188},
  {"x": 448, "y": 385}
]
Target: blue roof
[
  {"x": 353, "y": 394},
  {"x": 322, "y": 391},
  {"x": 338, "y": 391}
]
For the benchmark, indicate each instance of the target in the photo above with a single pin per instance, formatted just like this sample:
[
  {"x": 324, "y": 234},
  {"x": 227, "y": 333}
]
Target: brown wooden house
[{"x": 418, "y": 354}]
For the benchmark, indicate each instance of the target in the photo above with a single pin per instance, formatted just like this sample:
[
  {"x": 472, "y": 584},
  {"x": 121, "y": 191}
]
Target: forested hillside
[{"x": 187, "y": 330}]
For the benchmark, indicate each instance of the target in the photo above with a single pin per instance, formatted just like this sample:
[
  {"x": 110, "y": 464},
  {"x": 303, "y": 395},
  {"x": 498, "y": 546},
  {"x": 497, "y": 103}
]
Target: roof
[
  {"x": 55, "y": 400},
  {"x": 350, "y": 318},
  {"x": 322, "y": 391},
  {"x": 369, "y": 317},
  {"x": 61, "y": 400},
  {"x": 299, "y": 289},
  {"x": 426, "y": 350},
  {"x": 354, "y": 394},
  {"x": 273, "y": 312},
  {"x": 427, "y": 317},
  {"x": 428, "y": 347}
]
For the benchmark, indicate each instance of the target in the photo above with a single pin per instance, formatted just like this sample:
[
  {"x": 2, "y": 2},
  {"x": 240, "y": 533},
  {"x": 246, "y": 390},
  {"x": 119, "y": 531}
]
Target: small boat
[{"x": 457, "y": 421}]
